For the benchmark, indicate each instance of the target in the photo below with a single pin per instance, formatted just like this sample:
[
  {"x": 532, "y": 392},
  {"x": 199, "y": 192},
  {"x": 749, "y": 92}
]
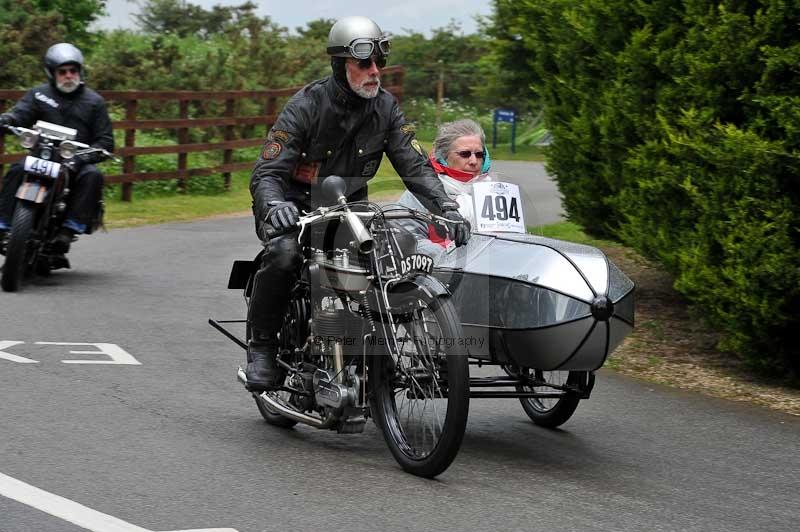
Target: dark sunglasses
[
  {"x": 364, "y": 64},
  {"x": 464, "y": 154},
  {"x": 67, "y": 70}
]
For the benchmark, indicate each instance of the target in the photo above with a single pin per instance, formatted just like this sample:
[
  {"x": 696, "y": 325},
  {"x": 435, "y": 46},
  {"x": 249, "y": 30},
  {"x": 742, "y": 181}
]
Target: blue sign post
[{"x": 505, "y": 115}]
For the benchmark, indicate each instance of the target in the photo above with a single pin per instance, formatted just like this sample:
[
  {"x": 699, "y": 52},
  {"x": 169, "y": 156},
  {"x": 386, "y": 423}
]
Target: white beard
[
  {"x": 365, "y": 92},
  {"x": 68, "y": 86}
]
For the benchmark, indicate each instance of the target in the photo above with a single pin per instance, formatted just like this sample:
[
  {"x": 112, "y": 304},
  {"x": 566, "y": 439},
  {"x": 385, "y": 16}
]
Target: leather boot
[
  {"x": 63, "y": 240},
  {"x": 263, "y": 372}
]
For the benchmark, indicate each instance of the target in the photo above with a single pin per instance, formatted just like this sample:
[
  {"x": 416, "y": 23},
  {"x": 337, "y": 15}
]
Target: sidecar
[
  {"x": 548, "y": 312},
  {"x": 538, "y": 302}
]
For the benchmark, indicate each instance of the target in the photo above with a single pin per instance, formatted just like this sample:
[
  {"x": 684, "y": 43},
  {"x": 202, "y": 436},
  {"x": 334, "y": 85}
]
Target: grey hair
[{"x": 449, "y": 132}]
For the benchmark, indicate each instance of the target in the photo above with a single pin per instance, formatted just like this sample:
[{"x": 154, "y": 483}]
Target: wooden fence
[{"x": 268, "y": 100}]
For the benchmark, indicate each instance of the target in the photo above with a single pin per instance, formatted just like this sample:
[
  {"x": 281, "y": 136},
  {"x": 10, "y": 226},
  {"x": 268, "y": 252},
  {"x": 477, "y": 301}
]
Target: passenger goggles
[{"x": 363, "y": 48}]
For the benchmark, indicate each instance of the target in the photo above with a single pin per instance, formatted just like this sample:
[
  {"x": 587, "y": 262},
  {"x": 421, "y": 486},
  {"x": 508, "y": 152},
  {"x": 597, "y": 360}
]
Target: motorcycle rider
[
  {"x": 339, "y": 125},
  {"x": 66, "y": 101}
]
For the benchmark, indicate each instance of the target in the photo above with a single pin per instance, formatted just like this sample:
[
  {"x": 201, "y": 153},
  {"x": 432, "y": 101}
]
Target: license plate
[
  {"x": 416, "y": 262},
  {"x": 37, "y": 166}
]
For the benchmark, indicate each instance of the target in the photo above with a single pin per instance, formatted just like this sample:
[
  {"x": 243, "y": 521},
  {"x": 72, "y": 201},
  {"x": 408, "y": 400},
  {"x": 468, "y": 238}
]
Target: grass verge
[{"x": 178, "y": 207}]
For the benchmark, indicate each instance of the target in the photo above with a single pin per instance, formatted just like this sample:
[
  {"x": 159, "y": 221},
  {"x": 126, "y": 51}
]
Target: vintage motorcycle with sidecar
[
  {"x": 544, "y": 313},
  {"x": 41, "y": 201},
  {"x": 369, "y": 332}
]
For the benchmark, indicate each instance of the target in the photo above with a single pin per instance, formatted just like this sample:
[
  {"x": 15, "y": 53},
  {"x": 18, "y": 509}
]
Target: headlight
[
  {"x": 67, "y": 150},
  {"x": 28, "y": 139}
]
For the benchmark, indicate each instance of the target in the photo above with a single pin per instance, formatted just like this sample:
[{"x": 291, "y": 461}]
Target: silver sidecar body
[{"x": 538, "y": 302}]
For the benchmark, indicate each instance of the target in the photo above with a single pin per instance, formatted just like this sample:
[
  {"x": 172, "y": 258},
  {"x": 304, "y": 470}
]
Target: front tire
[
  {"x": 421, "y": 391},
  {"x": 17, "y": 248}
]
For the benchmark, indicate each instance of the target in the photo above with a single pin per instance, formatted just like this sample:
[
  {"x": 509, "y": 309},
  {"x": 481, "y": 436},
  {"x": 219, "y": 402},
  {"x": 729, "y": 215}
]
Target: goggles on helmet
[{"x": 363, "y": 48}]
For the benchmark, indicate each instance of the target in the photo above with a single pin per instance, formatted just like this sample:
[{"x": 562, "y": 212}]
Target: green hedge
[{"x": 676, "y": 128}]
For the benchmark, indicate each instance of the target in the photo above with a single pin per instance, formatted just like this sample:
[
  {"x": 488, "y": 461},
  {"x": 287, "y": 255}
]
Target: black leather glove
[
  {"x": 283, "y": 215},
  {"x": 459, "y": 232},
  {"x": 5, "y": 120}
]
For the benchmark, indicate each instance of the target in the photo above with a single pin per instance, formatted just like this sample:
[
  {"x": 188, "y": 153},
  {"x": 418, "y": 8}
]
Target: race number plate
[
  {"x": 498, "y": 207},
  {"x": 416, "y": 262},
  {"x": 37, "y": 166}
]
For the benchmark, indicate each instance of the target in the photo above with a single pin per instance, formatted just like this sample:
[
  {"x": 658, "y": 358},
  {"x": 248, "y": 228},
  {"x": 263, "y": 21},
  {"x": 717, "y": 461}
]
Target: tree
[
  {"x": 448, "y": 50},
  {"x": 675, "y": 129},
  {"x": 183, "y": 18},
  {"x": 29, "y": 27}
]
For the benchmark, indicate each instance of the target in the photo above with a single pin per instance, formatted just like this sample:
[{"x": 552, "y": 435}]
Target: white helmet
[{"x": 357, "y": 37}]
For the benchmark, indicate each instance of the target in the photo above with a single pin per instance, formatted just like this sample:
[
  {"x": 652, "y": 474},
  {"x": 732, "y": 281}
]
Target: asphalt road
[
  {"x": 537, "y": 188},
  {"x": 175, "y": 443}
]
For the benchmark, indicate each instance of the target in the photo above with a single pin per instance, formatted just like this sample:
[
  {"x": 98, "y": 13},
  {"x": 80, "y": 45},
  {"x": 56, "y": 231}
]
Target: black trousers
[
  {"x": 86, "y": 191},
  {"x": 280, "y": 264}
]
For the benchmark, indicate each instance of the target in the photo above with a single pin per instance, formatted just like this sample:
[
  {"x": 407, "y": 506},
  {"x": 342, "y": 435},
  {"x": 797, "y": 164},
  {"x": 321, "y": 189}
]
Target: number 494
[{"x": 498, "y": 207}]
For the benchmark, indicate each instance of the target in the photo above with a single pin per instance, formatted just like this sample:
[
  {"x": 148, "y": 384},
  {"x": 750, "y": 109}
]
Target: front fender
[
  {"x": 33, "y": 191},
  {"x": 414, "y": 286}
]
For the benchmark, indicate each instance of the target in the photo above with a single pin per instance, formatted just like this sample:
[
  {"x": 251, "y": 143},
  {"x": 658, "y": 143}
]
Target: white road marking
[
  {"x": 5, "y": 344},
  {"x": 73, "y": 512},
  {"x": 113, "y": 351}
]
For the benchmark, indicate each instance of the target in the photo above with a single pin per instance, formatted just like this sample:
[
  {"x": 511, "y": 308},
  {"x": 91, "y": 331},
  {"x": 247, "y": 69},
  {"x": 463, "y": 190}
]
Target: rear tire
[
  {"x": 421, "y": 398},
  {"x": 17, "y": 250},
  {"x": 273, "y": 418}
]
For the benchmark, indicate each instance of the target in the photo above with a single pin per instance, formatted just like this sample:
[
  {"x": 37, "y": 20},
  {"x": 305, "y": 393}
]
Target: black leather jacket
[
  {"x": 83, "y": 110},
  {"x": 324, "y": 130}
]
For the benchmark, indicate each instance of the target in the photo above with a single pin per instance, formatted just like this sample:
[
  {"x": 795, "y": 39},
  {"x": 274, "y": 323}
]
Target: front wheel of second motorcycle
[
  {"x": 421, "y": 388},
  {"x": 17, "y": 248}
]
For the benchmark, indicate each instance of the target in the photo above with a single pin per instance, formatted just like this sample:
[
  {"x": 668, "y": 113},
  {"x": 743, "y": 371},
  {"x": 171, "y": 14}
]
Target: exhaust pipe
[
  {"x": 280, "y": 408},
  {"x": 362, "y": 236}
]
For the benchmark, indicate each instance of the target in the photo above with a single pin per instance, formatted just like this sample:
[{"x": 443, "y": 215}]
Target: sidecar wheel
[
  {"x": 553, "y": 412},
  {"x": 17, "y": 249},
  {"x": 421, "y": 393}
]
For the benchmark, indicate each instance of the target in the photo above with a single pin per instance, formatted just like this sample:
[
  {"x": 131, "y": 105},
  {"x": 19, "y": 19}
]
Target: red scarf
[{"x": 452, "y": 172}]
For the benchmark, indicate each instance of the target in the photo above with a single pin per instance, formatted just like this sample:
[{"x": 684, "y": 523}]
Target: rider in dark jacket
[
  {"x": 341, "y": 125},
  {"x": 65, "y": 101}
]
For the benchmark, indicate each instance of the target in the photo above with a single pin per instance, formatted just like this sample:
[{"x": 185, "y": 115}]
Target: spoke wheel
[
  {"x": 552, "y": 412},
  {"x": 421, "y": 392},
  {"x": 17, "y": 251}
]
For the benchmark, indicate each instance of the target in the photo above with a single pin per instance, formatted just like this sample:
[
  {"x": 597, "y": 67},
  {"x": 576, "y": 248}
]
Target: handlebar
[
  {"x": 107, "y": 154},
  {"x": 82, "y": 149},
  {"x": 326, "y": 213}
]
